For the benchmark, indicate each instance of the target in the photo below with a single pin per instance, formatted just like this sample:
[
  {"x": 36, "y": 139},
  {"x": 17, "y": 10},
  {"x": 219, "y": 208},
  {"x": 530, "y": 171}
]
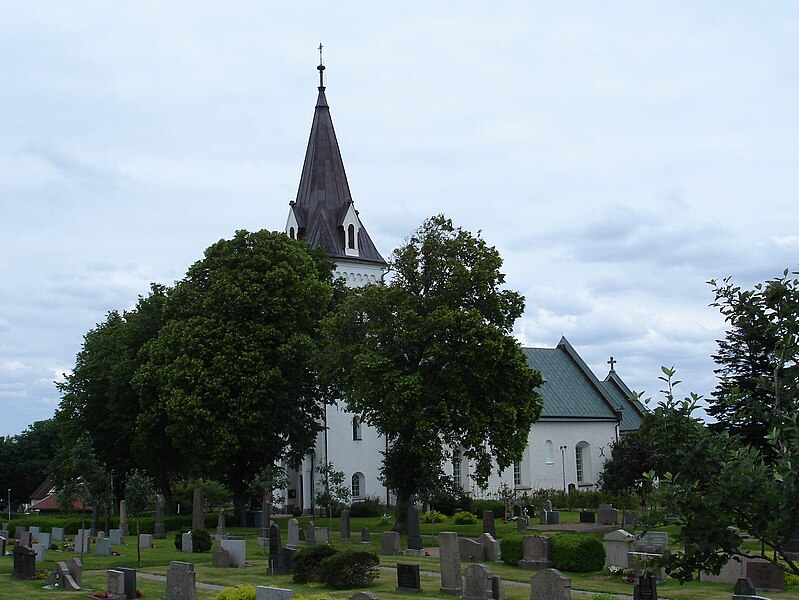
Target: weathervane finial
[{"x": 321, "y": 67}]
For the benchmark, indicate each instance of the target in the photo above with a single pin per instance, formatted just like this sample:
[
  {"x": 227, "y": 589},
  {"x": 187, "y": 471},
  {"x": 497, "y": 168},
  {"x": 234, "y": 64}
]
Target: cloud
[{"x": 81, "y": 172}]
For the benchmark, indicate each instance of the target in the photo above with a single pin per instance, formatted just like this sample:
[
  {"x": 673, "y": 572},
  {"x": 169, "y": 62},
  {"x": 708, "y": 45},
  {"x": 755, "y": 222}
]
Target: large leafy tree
[
  {"x": 631, "y": 458},
  {"x": 26, "y": 459},
  {"x": 430, "y": 361},
  {"x": 722, "y": 484},
  {"x": 228, "y": 379}
]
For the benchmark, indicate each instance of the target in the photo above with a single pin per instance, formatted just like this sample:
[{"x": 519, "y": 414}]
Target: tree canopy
[{"x": 429, "y": 360}]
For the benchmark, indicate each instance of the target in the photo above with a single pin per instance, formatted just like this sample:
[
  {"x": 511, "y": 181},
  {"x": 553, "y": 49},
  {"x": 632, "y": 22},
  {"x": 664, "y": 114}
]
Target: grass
[{"x": 156, "y": 561}]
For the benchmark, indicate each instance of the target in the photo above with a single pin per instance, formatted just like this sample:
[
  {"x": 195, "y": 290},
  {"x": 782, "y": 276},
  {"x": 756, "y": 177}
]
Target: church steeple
[{"x": 323, "y": 213}]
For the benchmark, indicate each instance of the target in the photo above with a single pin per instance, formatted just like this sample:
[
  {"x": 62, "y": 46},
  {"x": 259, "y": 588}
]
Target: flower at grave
[{"x": 139, "y": 594}]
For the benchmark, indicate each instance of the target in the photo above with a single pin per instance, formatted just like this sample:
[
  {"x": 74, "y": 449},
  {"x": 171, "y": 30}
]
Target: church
[{"x": 581, "y": 417}]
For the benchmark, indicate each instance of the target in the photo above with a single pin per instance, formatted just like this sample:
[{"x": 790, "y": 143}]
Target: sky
[{"x": 618, "y": 154}]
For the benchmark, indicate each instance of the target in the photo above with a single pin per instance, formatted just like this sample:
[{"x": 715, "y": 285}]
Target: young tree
[
  {"x": 331, "y": 492},
  {"x": 228, "y": 379},
  {"x": 139, "y": 497},
  {"x": 429, "y": 360},
  {"x": 625, "y": 471}
]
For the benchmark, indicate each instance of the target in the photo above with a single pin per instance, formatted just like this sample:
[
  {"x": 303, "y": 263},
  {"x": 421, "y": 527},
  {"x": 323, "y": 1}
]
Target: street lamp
[{"x": 563, "y": 464}]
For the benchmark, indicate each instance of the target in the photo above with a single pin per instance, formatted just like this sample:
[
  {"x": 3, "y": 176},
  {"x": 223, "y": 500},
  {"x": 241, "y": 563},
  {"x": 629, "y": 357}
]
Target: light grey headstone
[
  {"x": 237, "y": 550},
  {"x": 607, "y": 515},
  {"x": 617, "y": 546},
  {"x": 197, "y": 509},
  {"x": 25, "y": 538},
  {"x": 363, "y": 596},
  {"x": 449, "y": 556},
  {"x": 550, "y": 584},
  {"x": 145, "y": 540},
  {"x": 521, "y": 523},
  {"x": 544, "y": 516},
  {"x": 470, "y": 550},
  {"x": 390, "y": 543},
  {"x": 34, "y": 530},
  {"x": 654, "y": 542},
  {"x": 345, "y": 525},
  {"x": 82, "y": 541},
  {"x": 39, "y": 550},
  {"x": 186, "y": 543},
  {"x": 103, "y": 547},
  {"x": 115, "y": 537},
  {"x": 115, "y": 585},
  {"x": 365, "y": 537},
  {"x": 220, "y": 524},
  {"x": 490, "y": 547},
  {"x": 535, "y": 552},
  {"x": 57, "y": 533},
  {"x": 123, "y": 518},
  {"x": 730, "y": 573},
  {"x": 477, "y": 583},
  {"x": 310, "y": 534},
  {"x": 293, "y": 534},
  {"x": 220, "y": 557},
  {"x": 181, "y": 582},
  {"x": 553, "y": 517},
  {"x": 272, "y": 593},
  {"x": 548, "y": 505},
  {"x": 43, "y": 538},
  {"x": 61, "y": 575},
  {"x": 75, "y": 568},
  {"x": 18, "y": 531},
  {"x": 322, "y": 534},
  {"x": 101, "y": 535}
]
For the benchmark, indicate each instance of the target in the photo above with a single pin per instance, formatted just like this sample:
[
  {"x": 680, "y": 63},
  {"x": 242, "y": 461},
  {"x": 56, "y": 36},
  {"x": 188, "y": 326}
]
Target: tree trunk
[
  {"x": 107, "y": 518},
  {"x": 239, "y": 508},
  {"x": 401, "y": 512}
]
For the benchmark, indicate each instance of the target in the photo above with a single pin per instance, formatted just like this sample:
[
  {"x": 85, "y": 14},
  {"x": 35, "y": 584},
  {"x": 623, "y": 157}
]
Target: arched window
[
  {"x": 351, "y": 236},
  {"x": 549, "y": 452},
  {"x": 582, "y": 460},
  {"x": 358, "y": 485},
  {"x": 291, "y": 232},
  {"x": 456, "y": 468},
  {"x": 356, "y": 428}
]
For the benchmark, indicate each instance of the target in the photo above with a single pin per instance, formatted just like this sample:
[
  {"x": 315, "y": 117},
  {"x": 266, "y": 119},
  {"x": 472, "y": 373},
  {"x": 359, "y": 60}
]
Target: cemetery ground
[{"x": 155, "y": 561}]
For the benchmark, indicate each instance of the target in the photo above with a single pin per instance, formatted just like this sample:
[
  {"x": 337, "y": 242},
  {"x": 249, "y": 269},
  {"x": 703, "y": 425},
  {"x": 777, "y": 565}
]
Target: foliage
[
  {"x": 267, "y": 480},
  {"x": 240, "y": 592},
  {"x": 349, "y": 569},
  {"x": 448, "y": 498},
  {"x": 419, "y": 359},
  {"x": 139, "y": 493},
  {"x": 331, "y": 492},
  {"x": 200, "y": 540},
  {"x": 464, "y": 518},
  {"x": 228, "y": 379},
  {"x": 631, "y": 457},
  {"x": 79, "y": 475},
  {"x": 215, "y": 493},
  {"x": 433, "y": 516},
  {"x": 757, "y": 358},
  {"x": 26, "y": 459},
  {"x": 511, "y": 549},
  {"x": 371, "y": 506},
  {"x": 577, "y": 553},
  {"x": 496, "y": 506},
  {"x": 306, "y": 562}
]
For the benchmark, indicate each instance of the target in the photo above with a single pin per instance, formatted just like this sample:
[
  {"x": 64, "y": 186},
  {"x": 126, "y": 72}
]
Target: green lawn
[{"x": 156, "y": 561}]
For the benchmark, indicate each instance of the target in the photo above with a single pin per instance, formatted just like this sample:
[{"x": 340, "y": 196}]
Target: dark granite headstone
[
  {"x": 766, "y": 576},
  {"x": 587, "y": 516},
  {"x": 414, "y": 533},
  {"x": 130, "y": 581},
  {"x": 277, "y": 558},
  {"x": 24, "y": 562},
  {"x": 489, "y": 525},
  {"x": 159, "y": 531},
  {"x": 646, "y": 588},
  {"x": 408, "y": 578},
  {"x": 744, "y": 587}
]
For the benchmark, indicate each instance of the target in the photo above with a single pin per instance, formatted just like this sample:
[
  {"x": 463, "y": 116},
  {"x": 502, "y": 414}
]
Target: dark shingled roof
[
  {"x": 324, "y": 198},
  {"x": 571, "y": 391}
]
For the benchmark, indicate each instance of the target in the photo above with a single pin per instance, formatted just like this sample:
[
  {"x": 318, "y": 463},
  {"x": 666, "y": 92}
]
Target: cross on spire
[
  {"x": 321, "y": 68},
  {"x": 612, "y": 362}
]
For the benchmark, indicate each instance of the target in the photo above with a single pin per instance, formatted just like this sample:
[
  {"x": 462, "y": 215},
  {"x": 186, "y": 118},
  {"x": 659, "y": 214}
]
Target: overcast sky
[{"x": 619, "y": 155}]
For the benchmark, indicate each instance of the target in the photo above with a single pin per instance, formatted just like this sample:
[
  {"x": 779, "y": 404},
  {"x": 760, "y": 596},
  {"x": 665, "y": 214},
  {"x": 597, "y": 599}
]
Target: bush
[
  {"x": 478, "y": 506},
  {"x": 464, "y": 518},
  {"x": 577, "y": 553},
  {"x": 240, "y": 592},
  {"x": 200, "y": 540},
  {"x": 349, "y": 569},
  {"x": 433, "y": 516},
  {"x": 369, "y": 507},
  {"x": 511, "y": 549},
  {"x": 306, "y": 562}
]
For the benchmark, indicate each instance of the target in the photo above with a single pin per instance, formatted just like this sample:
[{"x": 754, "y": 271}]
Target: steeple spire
[{"x": 321, "y": 69}]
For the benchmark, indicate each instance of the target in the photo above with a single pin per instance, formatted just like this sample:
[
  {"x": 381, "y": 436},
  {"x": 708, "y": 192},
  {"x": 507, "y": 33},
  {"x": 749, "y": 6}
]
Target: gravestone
[
  {"x": 646, "y": 588},
  {"x": 39, "y": 550},
  {"x": 103, "y": 547},
  {"x": 57, "y": 533},
  {"x": 322, "y": 534},
  {"x": 489, "y": 525},
  {"x": 553, "y": 517},
  {"x": 521, "y": 523},
  {"x": 497, "y": 588},
  {"x": 548, "y": 505},
  {"x": 115, "y": 585},
  {"x": 365, "y": 537},
  {"x": 220, "y": 525},
  {"x": 186, "y": 543},
  {"x": 535, "y": 552},
  {"x": 220, "y": 557},
  {"x": 390, "y": 543},
  {"x": 470, "y": 550},
  {"x": 25, "y": 538},
  {"x": 43, "y": 538},
  {"x": 608, "y": 515},
  {"x": 115, "y": 537},
  {"x": 82, "y": 541},
  {"x": 544, "y": 516},
  {"x": 277, "y": 559},
  {"x": 4, "y": 533},
  {"x": 766, "y": 576},
  {"x": 123, "y": 519},
  {"x": 408, "y": 578},
  {"x": 159, "y": 531},
  {"x": 293, "y": 535},
  {"x": 237, "y": 550},
  {"x": 180, "y": 582},
  {"x": 75, "y": 568},
  {"x": 730, "y": 573},
  {"x": 101, "y": 535},
  {"x": 618, "y": 544},
  {"x": 61, "y": 577},
  {"x": 197, "y": 509},
  {"x": 744, "y": 587},
  {"x": 345, "y": 526},
  {"x": 3, "y": 543},
  {"x": 550, "y": 584},
  {"x": 477, "y": 583},
  {"x": 263, "y": 592},
  {"x": 18, "y": 531},
  {"x": 24, "y": 563},
  {"x": 587, "y": 516},
  {"x": 34, "y": 530},
  {"x": 414, "y": 534},
  {"x": 653, "y": 542},
  {"x": 130, "y": 581},
  {"x": 145, "y": 540},
  {"x": 363, "y": 596},
  {"x": 490, "y": 547},
  {"x": 451, "y": 581},
  {"x": 310, "y": 534}
]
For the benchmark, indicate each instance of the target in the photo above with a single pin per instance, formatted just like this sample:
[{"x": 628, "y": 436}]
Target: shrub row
[
  {"x": 200, "y": 540},
  {"x": 336, "y": 569},
  {"x": 71, "y": 523},
  {"x": 569, "y": 551}
]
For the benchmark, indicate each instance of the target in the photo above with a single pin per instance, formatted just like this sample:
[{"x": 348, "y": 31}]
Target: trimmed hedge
[
  {"x": 511, "y": 549},
  {"x": 307, "y": 561},
  {"x": 464, "y": 518},
  {"x": 200, "y": 540},
  {"x": 369, "y": 507},
  {"x": 71, "y": 523},
  {"x": 577, "y": 553},
  {"x": 349, "y": 569},
  {"x": 478, "y": 506}
]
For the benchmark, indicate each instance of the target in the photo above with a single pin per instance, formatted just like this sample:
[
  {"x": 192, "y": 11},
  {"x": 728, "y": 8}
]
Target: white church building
[{"x": 582, "y": 415}]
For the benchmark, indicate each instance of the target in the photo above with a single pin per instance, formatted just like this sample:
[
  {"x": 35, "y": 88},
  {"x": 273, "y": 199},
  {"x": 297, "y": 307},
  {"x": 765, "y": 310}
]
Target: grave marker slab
[
  {"x": 608, "y": 515},
  {"x": 220, "y": 557},
  {"x": 34, "y": 530},
  {"x": 322, "y": 534},
  {"x": 365, "y": 537},
  {"x": 57, "y": 533},
  {"x": 75, "y": 568},
  {"x": 553, "y": 517},
  {"x": 618, "y": 545},
  {"x": 277, "y": 557},
  {"x": 115, "y": 585},
  {"x": 115, "y": 537},
  {"x": 39, "y": 550},
  {"x": 766, "y": 576},
  {"x": 61, "y": 576},
  {"x": 3, "y": 543},
  {"x": 470, "y": 550},
  {"x": 310, "y": 534},
  {"x": 408, "y": 578},
  {"x": 159, "y": 531},
  {"x": 4, "y": 533},
  {"x": 198, "y": 509},
  {"x": 345, "y": 526},
  {"x": 477, "y": 583},
  {"x": 237, "y": 550},
  {"x": 490, "y": 547},
  {"x": 180, "y": 582},
  {"x": 535, "y": 552},
  {"x": 145, "y": 540},
  {"x": 744, "y": 587},
  {"x": 587, "y": 516},
  {"x": 273, "y": 593},
  {"x": 103, "y": 547},
  {"x": 130, "y": 581},
  {"x": 293, "y": 535},
  {"x": 24, "y": 563},
  {"x": 550, "y": 584},
  {"x": 363, "y": 596},
  {"x": 123, "y": 518},
  {"x": 390, "y": 543},
  {"x": 414, "y": 533},
  {"x": 646, "y": 588},
  {"x": 220, "y": 524},
  {"x": 489, "y": 524},
  {"x": 497, "y": 588},
  {"x": 521, "y": 523},
  {"x": 451, "y": 580},
  {"x": 25, "y": 538},
  {"x": 186, "y": 543}
]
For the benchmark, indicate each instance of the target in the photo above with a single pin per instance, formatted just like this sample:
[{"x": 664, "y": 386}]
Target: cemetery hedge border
[
  {"x": 349, "y": 569},
  {"x": 306, "y": 562},
  {"x": 511, "y": 549},
  {"x": 71, "y": 523},
  {"x": 578, "y": 553}
]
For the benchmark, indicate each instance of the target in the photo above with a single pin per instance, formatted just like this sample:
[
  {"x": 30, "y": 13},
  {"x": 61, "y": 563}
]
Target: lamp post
[
  {"x": 9, "y": 504},
  {"x": 563, "y": 464}
]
